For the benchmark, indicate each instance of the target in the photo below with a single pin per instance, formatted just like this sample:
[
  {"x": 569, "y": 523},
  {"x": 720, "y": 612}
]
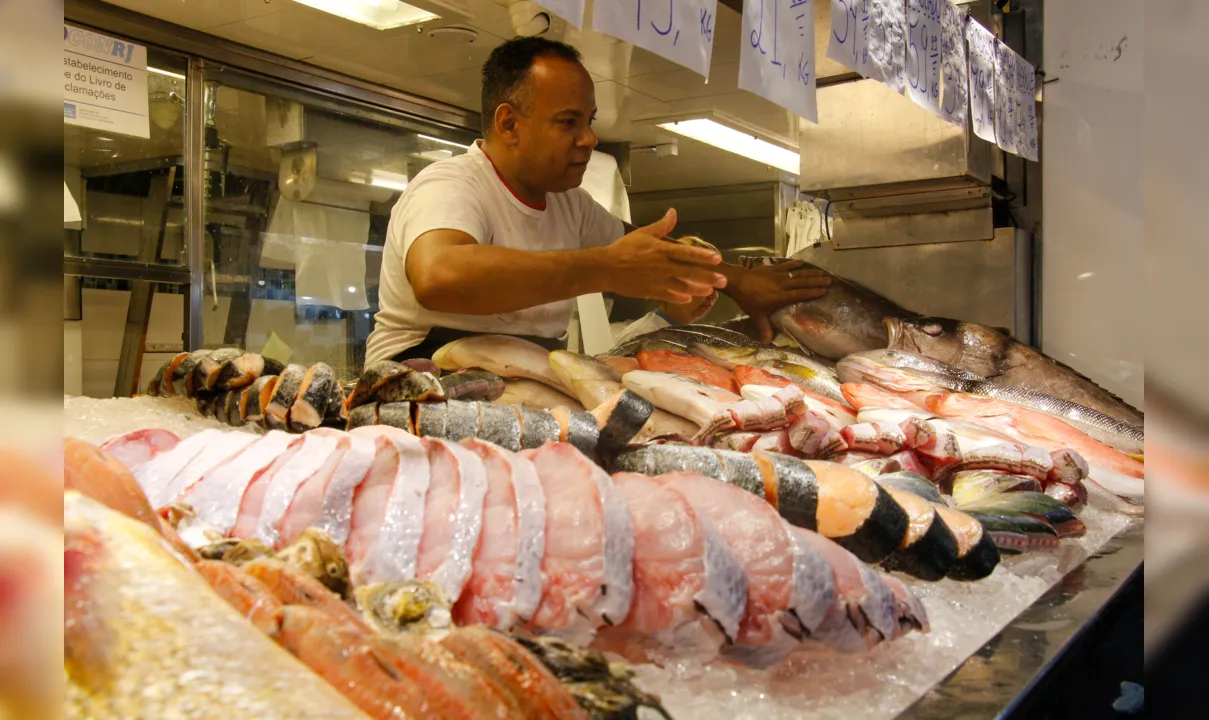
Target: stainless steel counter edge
[{"x": 991, "y": 679}]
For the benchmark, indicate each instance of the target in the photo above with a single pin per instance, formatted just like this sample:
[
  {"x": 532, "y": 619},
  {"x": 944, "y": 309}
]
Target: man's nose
[{"x": 588, "y": 138}]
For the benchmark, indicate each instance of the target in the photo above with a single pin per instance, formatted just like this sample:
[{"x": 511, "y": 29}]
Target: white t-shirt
[{"x": 464, "y": 193}]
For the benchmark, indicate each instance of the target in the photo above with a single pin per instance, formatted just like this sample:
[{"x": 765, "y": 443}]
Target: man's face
[{"x": 555, "y": 138}]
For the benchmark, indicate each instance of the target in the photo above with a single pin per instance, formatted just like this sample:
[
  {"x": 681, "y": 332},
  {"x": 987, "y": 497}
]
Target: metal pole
[{"x": 195, "y": 201}]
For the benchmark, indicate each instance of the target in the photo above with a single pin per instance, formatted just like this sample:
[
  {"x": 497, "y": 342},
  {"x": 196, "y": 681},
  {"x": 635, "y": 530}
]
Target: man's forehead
[{"x": 558, "y": 80}]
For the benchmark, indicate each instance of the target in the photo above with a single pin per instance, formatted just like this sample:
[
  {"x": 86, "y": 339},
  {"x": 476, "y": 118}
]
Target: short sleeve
[
  {"x": 598, "y": 227},
  {"x": 439, "y": 201}
]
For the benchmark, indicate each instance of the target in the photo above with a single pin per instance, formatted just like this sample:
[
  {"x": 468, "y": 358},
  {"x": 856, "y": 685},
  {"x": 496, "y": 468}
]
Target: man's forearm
[{"x": 485, "y": 280}]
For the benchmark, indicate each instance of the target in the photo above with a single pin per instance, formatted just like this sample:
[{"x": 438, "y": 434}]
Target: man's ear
[{"x": 505, "y": 122}]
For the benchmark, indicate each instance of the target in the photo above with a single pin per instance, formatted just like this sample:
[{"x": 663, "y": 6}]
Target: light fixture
[
  {"x": 169, "y": 73},
  {"x": 352, "y": 288},
  {"x": 738, "y": 142},
  {"x": 378, "y": 14},
  {"x": 443, "y": 142},
  {"x": 394, "y": 181},
  {"x": 1084, "y": 276}
]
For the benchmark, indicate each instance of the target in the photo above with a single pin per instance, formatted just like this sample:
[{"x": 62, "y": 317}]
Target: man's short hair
[{"x": 507, "y": 70}]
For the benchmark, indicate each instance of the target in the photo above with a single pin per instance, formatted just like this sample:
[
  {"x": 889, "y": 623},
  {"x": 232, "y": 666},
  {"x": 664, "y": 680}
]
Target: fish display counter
[{"x": 831, "y": 525}]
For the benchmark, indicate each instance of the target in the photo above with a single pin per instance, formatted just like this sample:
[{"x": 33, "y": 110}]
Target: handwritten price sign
[
  {"x": 1026, "y": 109},
  {"x": 868, "y": 36},
  {"x": 982, "y": 80},
  {"x": 924, "y": 52},
  {"x": 954, "y": 67},
  {"x": 776, "y": 59},
  {"x": 680, "y": 30},
  {"x": 1005, "y": 97}
]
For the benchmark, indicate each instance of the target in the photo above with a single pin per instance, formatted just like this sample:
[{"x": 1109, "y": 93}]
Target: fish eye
[
  {"x": 933, "y": 329},
  {"x": 891, "y": 354}
]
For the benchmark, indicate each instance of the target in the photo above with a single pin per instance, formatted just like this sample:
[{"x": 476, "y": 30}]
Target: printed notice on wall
[
  {"x": 104, "y": 83},
  {"x": 1005, "y": 97},
  {"x": 1026, "y": 109},
  {"x": 924, "y": 52},
  {"x": 680, "y": 30},
  {"x": 954, "y": 68},
  {"x": 570, "y": 10},
  {"x": 982, "y": 80},
  {"x": 868, "y": 36},
  {"x": 776, "y": 57}
]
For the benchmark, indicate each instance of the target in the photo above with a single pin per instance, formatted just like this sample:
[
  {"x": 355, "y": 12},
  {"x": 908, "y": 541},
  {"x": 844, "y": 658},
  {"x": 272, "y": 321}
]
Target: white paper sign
[
  {"x": 1005, "y": 97},
  {"x": 680, "y": 30},
  {"x": 776, "y": 57},
  {"x": 982, "y": 80},
  {"x": 924, "y": 52},
  {"x": 570, "y": 10},
  {"x": 104, "y": 83},
  {"x": 954, "y": 68},
  {"x": 888, "y": 43},
  {"x": 849, "y": 30},
  {"x": 1026, "y": 109},
  {"x": 868, "y": 36}
]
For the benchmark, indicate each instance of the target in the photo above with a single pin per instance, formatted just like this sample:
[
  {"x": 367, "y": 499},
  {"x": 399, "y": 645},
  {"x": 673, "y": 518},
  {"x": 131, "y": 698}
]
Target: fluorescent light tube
[
  {"x": 378, "y": 14},
  {"x": 169, "y": 73},
  {"x": 737, "y": 142},
  {"x": 394, "y": 181},
  {"x": 443, "y": 142}
]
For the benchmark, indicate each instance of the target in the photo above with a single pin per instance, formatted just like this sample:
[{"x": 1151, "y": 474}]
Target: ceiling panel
[
  {"x": 683, "y": 84},
  {"x": 203, "y": 14}
]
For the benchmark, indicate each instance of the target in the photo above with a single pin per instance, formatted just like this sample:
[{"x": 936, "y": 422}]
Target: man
[{"x": 502, "y": 239}]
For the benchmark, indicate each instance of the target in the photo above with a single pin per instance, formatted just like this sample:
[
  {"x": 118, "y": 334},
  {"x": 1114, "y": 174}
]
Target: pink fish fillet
[
  {"x": 156, "y": 476},
  {"x": 318, "y": 457},
  {"x": 1034, "y": 428},
  {"x": 682, "y": 567},
  {"x": 863, "y": 395},
  {"x": 866, "y": 614},
  {"x": 133, "y": 449},
  {"x": 505, "y": 584},
  {"x": 756, "y": 535},
  {"x": 587, "y": 570},
  {"x": 453, "y": 515},
  {"x": 388, "y": 519},
  {"x": 325, "y": 500},
  {"x": 247, "y": 522},
  {"x": 217, "y": 497}
]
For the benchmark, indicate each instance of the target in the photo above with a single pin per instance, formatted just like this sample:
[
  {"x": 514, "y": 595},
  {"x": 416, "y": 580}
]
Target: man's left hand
[{"x": 763, "y": 290}]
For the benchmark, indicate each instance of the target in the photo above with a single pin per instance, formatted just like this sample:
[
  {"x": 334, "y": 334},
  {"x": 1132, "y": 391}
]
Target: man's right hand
[{"x": 644, "y": 265}]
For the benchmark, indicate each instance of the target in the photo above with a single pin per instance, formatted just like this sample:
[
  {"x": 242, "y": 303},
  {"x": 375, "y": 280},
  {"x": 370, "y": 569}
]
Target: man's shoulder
[{"x": 459, "y": 169}]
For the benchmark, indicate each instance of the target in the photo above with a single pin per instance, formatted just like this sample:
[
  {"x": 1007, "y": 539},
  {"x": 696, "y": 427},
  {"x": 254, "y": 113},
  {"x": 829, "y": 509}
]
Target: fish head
[
  {"x": 317, "y": 555},
  {"x": 933, "y": 337}
]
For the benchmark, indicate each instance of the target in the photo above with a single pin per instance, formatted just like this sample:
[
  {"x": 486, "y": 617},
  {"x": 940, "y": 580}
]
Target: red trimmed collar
[{"x": 535, "y": 206}]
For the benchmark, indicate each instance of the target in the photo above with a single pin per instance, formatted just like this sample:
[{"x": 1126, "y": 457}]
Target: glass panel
[
  {"x": 130, "y": 189},
  {"x": 94, "y": 336},
  {"x": 299, "y": 191}
]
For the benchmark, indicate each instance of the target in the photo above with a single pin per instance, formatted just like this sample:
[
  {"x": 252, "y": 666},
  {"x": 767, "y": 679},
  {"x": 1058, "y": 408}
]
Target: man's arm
[
  {"x": 450, "y": 272},
  {"x": 761, "y": 291}
]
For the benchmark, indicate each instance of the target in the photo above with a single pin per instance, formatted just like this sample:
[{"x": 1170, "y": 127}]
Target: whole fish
[
  {"x": 990, "y": 354},
  {"x": 595, "y": 383},
  {"x": 503, "y": 355},
  {"x": 848, "y": 319},
  {"x": 532, "y": 394},
  {"x": 752, "y": 354},
  {"x": 1125, "y": 436},
  {"x": 630, "y": 348}
]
